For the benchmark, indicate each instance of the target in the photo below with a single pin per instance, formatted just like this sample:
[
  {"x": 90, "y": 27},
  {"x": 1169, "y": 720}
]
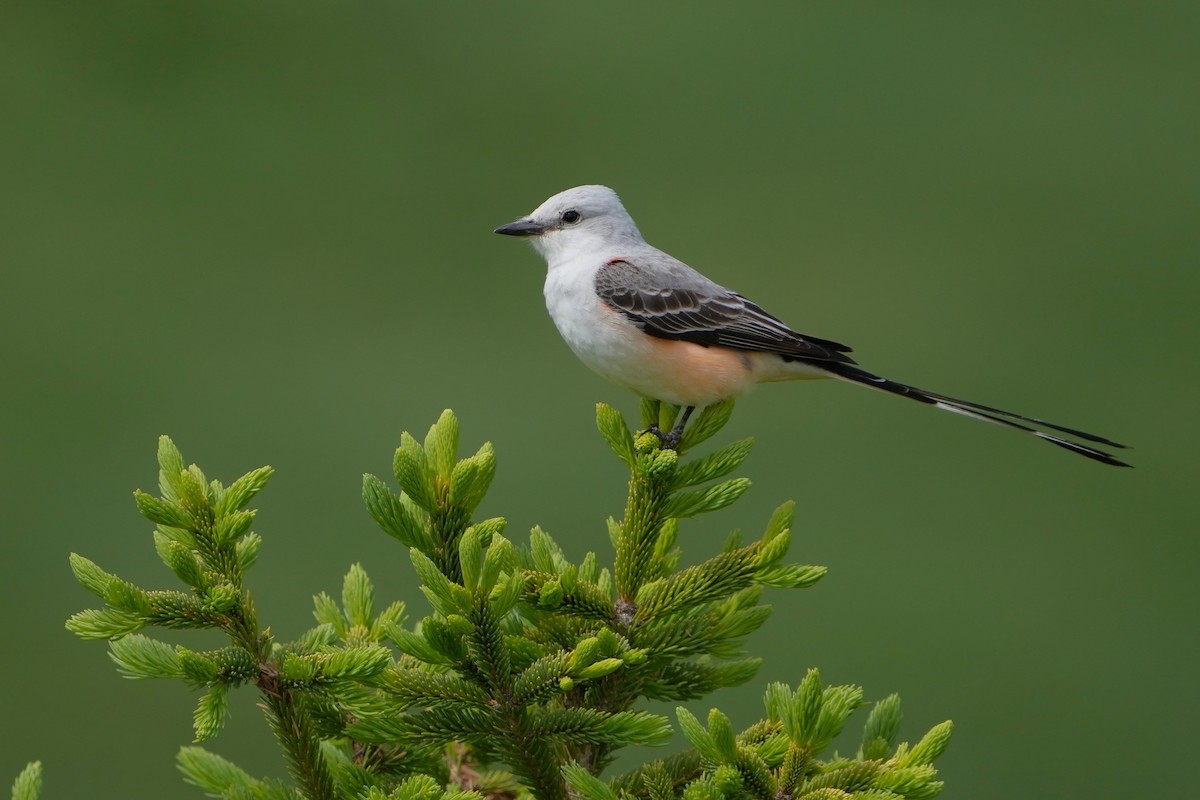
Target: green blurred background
[{"x": 266, "y": 229}]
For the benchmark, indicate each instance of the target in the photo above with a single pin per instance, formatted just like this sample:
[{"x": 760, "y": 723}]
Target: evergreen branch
[
  {"x": 471, "y": 478},
  {"x": 583, "y": 599},
  {"x": 881, "y": 729},
  {"x": 541, "y": 679},
  {"x": 932, "y": 745},
  {"x": 170, "y": 609},
  {"x": 390, "y": 616},
  {"x": 182, "y": 560},
  {"x": 640, "y": 527},
  {"x": 90, "y": 576},
  {"x": 417, "y": 687},
  {"x": 678, "y": 770},
  {"x": 683, "y": 768},
  {"x": 104, "y": 624},
  {"x": 293, "y": 728},
  {"x": 507, "y": 594},
  {"x": 586, "y": 785},
  {"x": 446, "y": 596},
  {"x": 712, "y": 466},
  {"x": 326, "y": 612},
  {"x": 402, "y": 520},
  {"x": 715, "y": 631},
  {"x": 790, "y": 576},
  {"x": 212, "y": 773},
  {"x": 720, "y": 751},
  {"x": 413, "y": 472},
  {"x": 28, "y": 784},
  {"x": 242, "y": 491},
  {"x": 487, "y": 648},
  {"x": 447, "y": 636},
  {"x": 659, "y": 785},
  {"x": 420, "y": 787},
  {"x": 139, "y": 656},
  {"x": 345, "y": 664},
  {"x": 910, "y": 782},
  {"x": 528, "y": 659},
  {"x": 755, "y": 775},
  {"x": 438, "y": 724},
  {"x": 421, "y": 647},
  {"x": 715, "y": 579},
  {"x": 688, "y": 680},
  {"x": 707, "y": 424},
  {"x": 853, "y": 777},
  {"x": 211, "y": 713},
  {"x": 702, "y": 501},
  {"x": 358, "y": 597},
  {"x": 614, "y": 430},
  {"x": 539, "y": 762},
  {"x": 590, "y": 726},
  {"x": 246, "y": 550}
]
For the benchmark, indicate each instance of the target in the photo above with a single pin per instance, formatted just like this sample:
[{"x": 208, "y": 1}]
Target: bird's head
[{"x": 586, "y": 218}]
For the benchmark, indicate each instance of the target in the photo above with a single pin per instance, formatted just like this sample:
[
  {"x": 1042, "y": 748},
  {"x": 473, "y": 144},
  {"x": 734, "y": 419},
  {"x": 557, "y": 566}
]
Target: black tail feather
[
  {"x": 998, "y": 416},
  {"x": 1090, "y": 452},
  {"x": 1091, "y": 437}
]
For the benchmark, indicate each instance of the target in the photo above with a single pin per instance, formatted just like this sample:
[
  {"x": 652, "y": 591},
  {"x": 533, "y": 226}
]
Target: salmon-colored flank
[
  {"x": 680, "y": 372},
  {"x": 698, "y": 375}
]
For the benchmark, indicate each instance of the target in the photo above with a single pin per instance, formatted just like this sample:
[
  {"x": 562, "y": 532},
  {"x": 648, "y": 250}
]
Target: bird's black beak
[{"x": 522, "y": 227}]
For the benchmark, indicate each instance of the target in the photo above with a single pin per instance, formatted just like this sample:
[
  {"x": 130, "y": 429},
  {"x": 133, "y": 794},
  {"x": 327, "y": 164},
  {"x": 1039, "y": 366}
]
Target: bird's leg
[{"x": 670, "y": 440}]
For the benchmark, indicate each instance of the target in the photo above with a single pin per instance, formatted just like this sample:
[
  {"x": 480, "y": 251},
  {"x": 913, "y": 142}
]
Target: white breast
[{"x": 599, "y": 336}]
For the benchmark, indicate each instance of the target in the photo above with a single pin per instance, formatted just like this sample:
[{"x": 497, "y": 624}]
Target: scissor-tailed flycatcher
[{"x": 651, "y": 323}]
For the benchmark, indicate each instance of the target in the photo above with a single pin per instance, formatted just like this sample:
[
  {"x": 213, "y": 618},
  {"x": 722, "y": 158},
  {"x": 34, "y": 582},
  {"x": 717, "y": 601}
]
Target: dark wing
[{"x": 687, "y": 306}]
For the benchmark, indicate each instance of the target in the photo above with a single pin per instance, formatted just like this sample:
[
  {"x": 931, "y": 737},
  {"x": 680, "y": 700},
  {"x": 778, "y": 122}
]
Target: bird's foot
[{"x": 670, "y": 439}]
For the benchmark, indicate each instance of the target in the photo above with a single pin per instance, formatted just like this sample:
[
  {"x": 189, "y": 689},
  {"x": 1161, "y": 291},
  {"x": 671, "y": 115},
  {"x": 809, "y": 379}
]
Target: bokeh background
[{"x": 265, "y": 228}]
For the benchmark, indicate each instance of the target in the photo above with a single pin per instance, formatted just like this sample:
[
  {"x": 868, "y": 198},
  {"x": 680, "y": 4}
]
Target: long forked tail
[{"x": 853, "y": 374}]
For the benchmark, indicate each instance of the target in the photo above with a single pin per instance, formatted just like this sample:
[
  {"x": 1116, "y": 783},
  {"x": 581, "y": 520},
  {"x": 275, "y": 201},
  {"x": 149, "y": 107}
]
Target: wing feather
[{"x": 677, "y": 302}]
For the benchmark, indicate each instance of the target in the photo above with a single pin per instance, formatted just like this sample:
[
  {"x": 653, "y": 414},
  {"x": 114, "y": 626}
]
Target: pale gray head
[{"x": 586, "y": 218}]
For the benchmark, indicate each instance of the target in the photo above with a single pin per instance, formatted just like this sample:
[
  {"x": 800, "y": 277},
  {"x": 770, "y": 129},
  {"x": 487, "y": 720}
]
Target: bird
[{"x": 648, "y": 322}]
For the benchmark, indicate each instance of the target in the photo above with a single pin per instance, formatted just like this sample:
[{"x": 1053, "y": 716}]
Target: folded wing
[{"x": 672, "y": 301}]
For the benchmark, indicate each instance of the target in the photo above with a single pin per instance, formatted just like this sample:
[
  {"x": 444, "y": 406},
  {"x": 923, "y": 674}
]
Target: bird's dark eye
[{"x": 570, "y": 217}]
